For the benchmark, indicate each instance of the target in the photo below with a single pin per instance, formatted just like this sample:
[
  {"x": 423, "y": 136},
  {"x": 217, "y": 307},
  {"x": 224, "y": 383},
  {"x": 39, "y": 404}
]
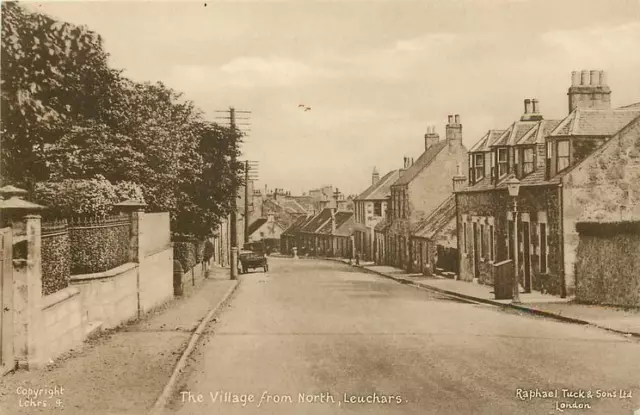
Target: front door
[
  {"x": 526, "y": 255},
  {"x": 476, "y": 251},
  {"x": 6, "y": 302}
]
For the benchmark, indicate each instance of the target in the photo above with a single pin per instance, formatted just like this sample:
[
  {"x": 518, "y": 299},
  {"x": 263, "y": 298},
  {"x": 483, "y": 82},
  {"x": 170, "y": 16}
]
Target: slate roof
[
  {"x": 297, "y": 225},
  {"x": 514, "y": 133},
  {"x": 423, "y": 161},
  {"x": 343, "y": 220},
  {"x": 537, "y": 134},
  {"x": 588, "y": 122},
  {"x": 381, "y": 189},
  {"x": 486, "y": 141},
  {"x": 256, "y": 225},
  {"x": 317, "y": 221},
  {"x": 438, "y": 219}
]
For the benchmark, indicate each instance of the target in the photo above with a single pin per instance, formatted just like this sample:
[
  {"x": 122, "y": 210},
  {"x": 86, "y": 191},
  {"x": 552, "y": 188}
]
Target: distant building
[{"x": 370, "y": 207}]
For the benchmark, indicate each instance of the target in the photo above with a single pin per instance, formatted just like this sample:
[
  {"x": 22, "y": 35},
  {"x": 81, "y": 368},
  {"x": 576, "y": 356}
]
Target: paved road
[{"x": 337, "y": 335}]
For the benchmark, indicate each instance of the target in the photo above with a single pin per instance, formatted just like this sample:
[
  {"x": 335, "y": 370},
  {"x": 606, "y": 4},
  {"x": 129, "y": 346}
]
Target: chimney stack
[
  {"x": 531, "y": 112},
  {"x": 431, "y": 137},
  {"x": 375, "y": 176},
  {"x": 454, "y": 131},
  {"x": 591, "y": 93},
  {"x": 459, "y": 180}
]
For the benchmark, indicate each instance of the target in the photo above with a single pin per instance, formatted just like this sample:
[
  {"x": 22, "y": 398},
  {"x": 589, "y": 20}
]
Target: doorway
[{"x": 526, "y": 255}]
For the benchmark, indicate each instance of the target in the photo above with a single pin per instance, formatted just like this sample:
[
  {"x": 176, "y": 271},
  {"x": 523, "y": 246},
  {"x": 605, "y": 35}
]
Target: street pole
[
  {"x": 516, "y": 282},
  {"x": 234, "y": 196},
  {"x": 246, "y": 201}
]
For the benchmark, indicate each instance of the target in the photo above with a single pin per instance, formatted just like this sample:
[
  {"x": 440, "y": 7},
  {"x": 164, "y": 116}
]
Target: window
[
  {"x": 464, "y": 237},
  {"x": 528, "y": 160},
  {"x": 543, "y": 248},
  {"x": 493, "y": 165},
  {"x": 563, "y": 154},
  {"x": 510, "y": 239},
  {"x": 377, "y": 209},
  {"x": 516, "y": 159},
  {"x": 479, "y": 166},
  {"x": 503, "y": 162},
  {"x": 491, "y": 253}
]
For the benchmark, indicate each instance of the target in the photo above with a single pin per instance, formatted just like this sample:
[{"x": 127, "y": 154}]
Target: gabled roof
[
  {"x": 438, "y": 219},
  {"x": 589, "y": 122},
  {"x": 423, "y": 162},
  {"x": 297, "y": 225},
  {"x": 256, "y": 225},
  {"x": 381, "y": 189},
  {"x": 317, "y": 221},
  {"x": 486, "y": 141},
  {"x": 537, "y": 134},
  {"x": 342, "y": 218},
  {"x": 514, "y": 133}
]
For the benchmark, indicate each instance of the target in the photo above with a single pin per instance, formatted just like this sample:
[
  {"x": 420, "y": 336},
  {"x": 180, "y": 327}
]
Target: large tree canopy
[{"x": 67, "y": 116}]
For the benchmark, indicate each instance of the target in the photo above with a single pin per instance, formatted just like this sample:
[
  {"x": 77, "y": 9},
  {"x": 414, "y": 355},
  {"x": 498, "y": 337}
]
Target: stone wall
[
  {"x": 608, "y": 264},
  {"x": 155, "y": 285},
  {"x": 110, "y": 297},
  {"x": 155, "y": 234},
  {"x": 63, "y": 322}
]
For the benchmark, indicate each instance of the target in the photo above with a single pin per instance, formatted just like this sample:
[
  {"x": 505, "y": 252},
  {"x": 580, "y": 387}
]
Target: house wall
[
  {"x": 608, "y": 265},
  {"x": 605, "y": 186},
  {"x": 497, "y": 205},
  {"x": 425, "y": 192}
]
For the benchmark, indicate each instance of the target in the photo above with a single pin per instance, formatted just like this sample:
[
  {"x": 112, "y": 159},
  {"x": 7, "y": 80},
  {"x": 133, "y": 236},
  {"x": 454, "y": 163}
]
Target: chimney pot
[
  {"x": 457, "y": 119},
  {"x": 595, "y": 77},
  {"x": 575, "y": 78},
  {"x": 527, "y": 106},
  {"x": 584, "y": 77},
  {"x": 603, "y": 78},
  {"x": 450, "y": 119},
  {"x": 535, "y": 106}
]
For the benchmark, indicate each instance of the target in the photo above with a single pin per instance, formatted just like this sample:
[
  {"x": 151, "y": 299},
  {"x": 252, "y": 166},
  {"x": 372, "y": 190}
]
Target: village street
[{"x": 338, "y": 335}]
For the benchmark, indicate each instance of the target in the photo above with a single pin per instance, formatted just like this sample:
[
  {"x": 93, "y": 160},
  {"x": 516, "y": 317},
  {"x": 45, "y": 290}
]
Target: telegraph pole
[
  {"x": 250, "y": 174},
  {"x": 235, "y": 134}
]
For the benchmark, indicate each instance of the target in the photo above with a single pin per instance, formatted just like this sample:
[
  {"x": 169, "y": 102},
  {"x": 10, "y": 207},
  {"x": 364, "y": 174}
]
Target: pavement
[
  {"x": 122, "y": 371},
  {"x": 619, "y": 320},
  {"x": 319, "y": 337}
]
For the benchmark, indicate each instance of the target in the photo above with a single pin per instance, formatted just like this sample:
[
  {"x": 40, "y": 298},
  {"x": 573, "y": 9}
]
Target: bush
[
  {"x": 185, "y": 253},
  {"x": 94, "y": 197}
]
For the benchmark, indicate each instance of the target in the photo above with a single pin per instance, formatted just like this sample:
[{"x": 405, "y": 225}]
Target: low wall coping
[
  {"x": 105, "y": 274},
  {"x": 59, "y": 296},
  {"x": 158, "y": 251}
]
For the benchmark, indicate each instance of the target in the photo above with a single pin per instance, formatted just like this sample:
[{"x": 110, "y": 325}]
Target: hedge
[{"x": 608, "y": 228}]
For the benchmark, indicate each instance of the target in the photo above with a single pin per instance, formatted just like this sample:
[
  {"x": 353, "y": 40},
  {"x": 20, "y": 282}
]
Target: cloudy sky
[{"x": 375, "y": 73}]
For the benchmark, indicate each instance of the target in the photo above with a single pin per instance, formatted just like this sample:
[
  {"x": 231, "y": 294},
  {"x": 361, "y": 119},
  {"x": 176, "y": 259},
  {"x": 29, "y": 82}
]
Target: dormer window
[
  {"x": 478, "y": 164},
  {"x": 528, "y": 164},
  {"x": 562, "y": 154},
  {"x": 503, "y": 162}
]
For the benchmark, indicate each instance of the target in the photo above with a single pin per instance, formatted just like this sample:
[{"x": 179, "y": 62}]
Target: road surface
[{"x": 320, "y": 337}]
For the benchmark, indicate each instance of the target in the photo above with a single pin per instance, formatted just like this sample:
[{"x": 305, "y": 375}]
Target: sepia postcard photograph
[{"x": 320, "y": 207}]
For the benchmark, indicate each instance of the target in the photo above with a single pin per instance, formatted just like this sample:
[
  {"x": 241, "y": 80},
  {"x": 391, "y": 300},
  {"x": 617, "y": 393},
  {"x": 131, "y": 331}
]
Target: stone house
[
  {"x": 422, "y": 187},
  {"x": 266, "y": 228},
  {"x": 544, "y": 155},
  {"x": 370, "y": 208}
]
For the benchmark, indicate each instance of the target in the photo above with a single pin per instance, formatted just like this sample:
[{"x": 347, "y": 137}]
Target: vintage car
[{"x": 251, "y": 260}]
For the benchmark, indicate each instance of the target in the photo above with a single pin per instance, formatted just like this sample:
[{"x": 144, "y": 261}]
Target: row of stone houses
[
  {"x": 451, "y": 209},
  {"x": 327, "y": 233},
  {"x": 560, "y": 183}
]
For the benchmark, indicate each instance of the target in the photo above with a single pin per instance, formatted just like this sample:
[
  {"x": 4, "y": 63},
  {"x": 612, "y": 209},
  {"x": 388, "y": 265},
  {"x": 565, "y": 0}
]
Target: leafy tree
[{"x": 53, "y": 75}]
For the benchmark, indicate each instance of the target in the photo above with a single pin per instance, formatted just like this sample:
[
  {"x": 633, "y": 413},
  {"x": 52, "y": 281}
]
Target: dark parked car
[{"x": 252, "y": 260}]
